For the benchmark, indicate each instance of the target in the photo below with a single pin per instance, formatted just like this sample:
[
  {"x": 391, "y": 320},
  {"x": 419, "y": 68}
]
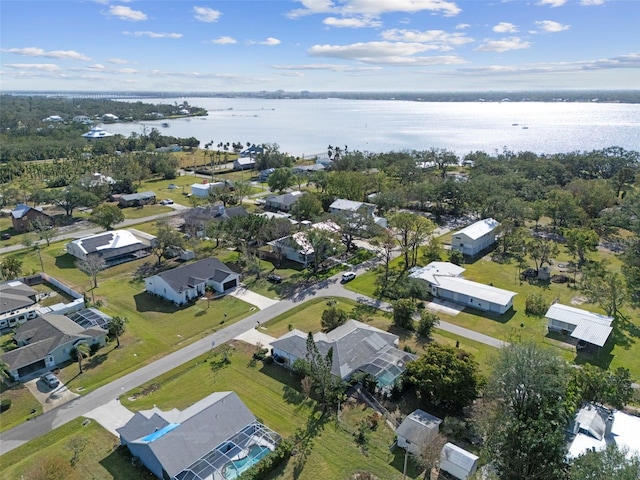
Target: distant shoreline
[{"x": 577, "y": 96}]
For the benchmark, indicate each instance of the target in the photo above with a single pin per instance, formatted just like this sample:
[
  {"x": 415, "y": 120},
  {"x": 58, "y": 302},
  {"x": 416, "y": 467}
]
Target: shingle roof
[
  {"x": 138, "y": 196},
  {"x": 416, "y": 425},
  {"x": 201, "y": 427},
  {"x": 181, "y": 278},
  {"x": 286, "y": 199}
]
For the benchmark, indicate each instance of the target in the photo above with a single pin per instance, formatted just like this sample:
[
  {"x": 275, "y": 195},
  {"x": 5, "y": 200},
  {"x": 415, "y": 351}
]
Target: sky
[{"x": 319, "y": 45}]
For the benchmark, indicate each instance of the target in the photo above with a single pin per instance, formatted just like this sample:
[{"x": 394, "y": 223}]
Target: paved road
[{"x": 76, "y": 408}]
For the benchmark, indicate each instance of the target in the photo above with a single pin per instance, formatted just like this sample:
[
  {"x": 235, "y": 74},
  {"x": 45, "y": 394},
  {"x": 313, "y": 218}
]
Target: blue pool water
[{"x": 233, "y": 470}]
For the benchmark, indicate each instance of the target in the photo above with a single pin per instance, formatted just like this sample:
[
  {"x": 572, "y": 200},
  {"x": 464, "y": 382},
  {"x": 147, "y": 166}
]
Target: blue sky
[{"x": 319, "y": 45}]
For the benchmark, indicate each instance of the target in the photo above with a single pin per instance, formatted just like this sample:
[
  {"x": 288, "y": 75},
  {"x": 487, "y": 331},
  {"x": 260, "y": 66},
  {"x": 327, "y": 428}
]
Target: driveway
[
  {"x": 111, "y": 415},
  {"x": 256, "y": 337},
  {"x": 253, "y": 298},
  {"x": 48, "y": 397},
  {"x": 450, "y": 308}
]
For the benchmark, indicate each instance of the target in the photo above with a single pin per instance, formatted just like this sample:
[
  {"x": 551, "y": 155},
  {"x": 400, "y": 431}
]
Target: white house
[
  {"x": 296, "y": 247},
  {"x": 283, "y": 202},
  {"x": 587, "y": 326},
  {"x": 244, "y": 163},
  {"x": 457, "y": 462},
  {"x": 444, "y": 281},
  {"x": 349, "y": 206},
  {"x": 188, "y": 282},
  {"x": 417, "y": 430},
  {"x": 476, "y": 237},
  {"x": 114, "y": 247},
  {"x": 202, "y": 189},
  {"x": 109, "y": 117},
  {"x": 53, "y": 119}
]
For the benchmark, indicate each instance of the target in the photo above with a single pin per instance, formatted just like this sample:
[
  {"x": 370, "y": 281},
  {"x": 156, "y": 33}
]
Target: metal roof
[
  {"x": 478, "y": 229},
  {"x": 475, "y": 290},
  {"x": 592, "y": 332},
  {"x": 575, "y": 316},
  {"x": 459, "y": 456},
  {"x": 138, "y": 196}
]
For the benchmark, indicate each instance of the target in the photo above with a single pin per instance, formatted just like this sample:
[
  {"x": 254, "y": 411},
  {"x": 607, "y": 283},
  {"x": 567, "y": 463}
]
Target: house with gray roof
[
  {"x": 18, "y": 303},
  {"x": 350, "y": 207},
  {"x": 417, "y": 430},
  {"x": 356, "y": 347},
  {"x": 23, "y": 215},
  {"x": 216, "y": 438},
  {"x": 137, "y": 199},
  {"x": 188, "y": 282},
  {"x": 283, "y": 202},
  {"x": 46, "y": 342},
  {"x": 197, "y": 218}
]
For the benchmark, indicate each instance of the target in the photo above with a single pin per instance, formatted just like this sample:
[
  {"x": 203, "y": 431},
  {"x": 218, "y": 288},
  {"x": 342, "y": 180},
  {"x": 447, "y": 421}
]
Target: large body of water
[{"x": 307, "y": 127}]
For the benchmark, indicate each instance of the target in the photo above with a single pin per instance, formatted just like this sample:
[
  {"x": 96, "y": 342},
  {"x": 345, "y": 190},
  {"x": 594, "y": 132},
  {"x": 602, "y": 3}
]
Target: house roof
[
  {"x": 245, "y": 161},
  {"x": 213, "y": 212},
  {"x": 350, "y": 205},
  {"x": 286, "y": 199},
  {"x": 429, "y": 272},
  {"x": 115, "y": 239},
  {"x": 458, "y": 456},
  {"x": 355, "y": 346},
  {"x": 592, "y": 332},
  {"x": 97, "y": 132},
  {"x": 476, "y": 290},
  {"x": 478, "y": 229},
  {"x": 186, "y": 276},
  {"x": 417, "y": 425},
  {"x": 182, "y": 437},
  {"x": 15, "y": 295},
  {"x": 43, "y": 335},
  {"x": 575, "y": 316},
  {"x": 590, "y": 422},
  {"x": 21, "y": 210},
  {"x": 207, "y": 186},
  {"x": 138, "y": 196}
]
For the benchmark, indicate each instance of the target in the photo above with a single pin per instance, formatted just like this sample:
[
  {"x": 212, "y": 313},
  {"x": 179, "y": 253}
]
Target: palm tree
[
  {"x": 4, "y": 370},
  {"x": 116, "y": 327},
  {"x": 82, "y": 350}
]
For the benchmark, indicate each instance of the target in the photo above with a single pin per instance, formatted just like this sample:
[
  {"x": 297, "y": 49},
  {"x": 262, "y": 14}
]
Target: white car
[
  {"x": 167, "y": 201},
  {"x": 50, "y": 380},
  {"x": 348, "y": 276}
]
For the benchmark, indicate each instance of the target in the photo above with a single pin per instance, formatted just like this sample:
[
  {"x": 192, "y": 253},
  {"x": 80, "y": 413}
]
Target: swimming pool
[{"x": 234, "y": 469}]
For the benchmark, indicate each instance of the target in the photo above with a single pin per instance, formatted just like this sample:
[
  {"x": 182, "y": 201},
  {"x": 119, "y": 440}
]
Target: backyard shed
[
  {"x": 417, "y": 430},
  {"x": 458, "y": 462}
]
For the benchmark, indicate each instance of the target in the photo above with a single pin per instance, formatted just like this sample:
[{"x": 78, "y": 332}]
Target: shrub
[
  {"x": 264, "y": 467},
  {"x": 332, "y": 318},
  {"x": 93, "y": 348},
  {"x": 428, "y": 320},
  {"x": 5, "y": 404},
  {"x": 536, "y": 305}
]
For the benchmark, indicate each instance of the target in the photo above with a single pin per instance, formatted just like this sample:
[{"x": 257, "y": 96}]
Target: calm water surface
[{"x": 307, "y": 127}]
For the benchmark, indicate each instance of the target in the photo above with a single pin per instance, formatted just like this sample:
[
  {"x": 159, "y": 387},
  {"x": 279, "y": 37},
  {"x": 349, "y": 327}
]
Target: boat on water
[
  {"x": 514, "y": 124},
  {"x": 525, "y": 128},
  {"x": 165, "y": 124}
]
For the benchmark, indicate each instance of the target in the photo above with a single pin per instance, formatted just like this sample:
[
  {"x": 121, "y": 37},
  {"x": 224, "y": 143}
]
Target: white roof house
[
  {"x": 476, "y": 237},
  {"x": 114, "y": 247},
  {"x": 595, "y": 427},
  {"x": 244, "y": 163},
  {"x": 458, "y": 462},
  {"x": 202, "y": 189},
  {"x": 590, "y": 327},
  {"x": 97, "y": 132},
  {"x": 341, "y": 205},
  {"x": 445, "y": 282},
  {"x": 417, "y": 430}
]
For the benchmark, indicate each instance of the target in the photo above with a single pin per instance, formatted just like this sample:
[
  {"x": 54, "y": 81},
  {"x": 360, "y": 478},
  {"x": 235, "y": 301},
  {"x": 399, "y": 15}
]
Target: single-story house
[
  {"x": 417, "y": 430},
  {"x": 278, "y": 215},
  {"x": 457, "y": 462},
  {"x": 308, "y": 169},
  {"x": 109, "y": 117},
  {"x": 476, "y": 237},
  {"x": 96, "y": 179},
  {"x": 282, "y": 202},
  {"x": 196, "y": 219},
  {"x": 46, "y": 342},
  {"x": 244, "y": 163},
  {"x": 444, "y": 281},
  {"x": 82, "y": 119},
  {"x": 202, "y": 189},
  {"x": 114, "y": 247},
  {"x": 296, "y": 247},
  {"x": 587, "y": 326},
  {"x": 341, "y": 205},
  {"x": 96, "y": 133},
  {"x": 187, "y": 282},
  {"x": 53, "y": 119},
  {"x": 263, "y": 176},
  {"x": 252, "y": 151},
  {"x": 137, "y": 199},
  {"x": 356, "y": 347},
  {"x": 18, "y": 303},
  {"x": 216, "y": 438},
  {"x": 23, "y": 215},
  {"x": 594, "y": 427}
]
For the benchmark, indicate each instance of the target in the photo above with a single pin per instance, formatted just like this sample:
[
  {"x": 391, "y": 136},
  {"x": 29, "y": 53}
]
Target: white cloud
[
  {"x": 326, "y": 66},
  {"x": 437, "y": 39},
  {"x": 462, "y": 26},
  {"x": 552, "y": 27},
  {"x": 552, "y": 3},
  {"x": 224, "y": 41},
  {"x": 383, "y": 53},
  {"x": 205, "y": 14},
  {"x": 588, "y": 3},
  {"x": 126, "y": 13},
  {"x": 45, "y": 67},
  {"x": 153, "y": 34},
  {"x": 352, "y": 22},
  {"x": 118, "y": 61},
  {"x": 96, "y": 66},
  {"x": 503, "y": 45},
  {"x": 39, "y": 52},
  {"x": 505, "y": 27},
  {"x": 270, "y": 41},
  {"x": 374, "y": 7}
]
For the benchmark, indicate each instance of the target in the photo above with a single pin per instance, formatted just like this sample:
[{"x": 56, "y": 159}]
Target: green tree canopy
[{"x": 107, "y": 215}]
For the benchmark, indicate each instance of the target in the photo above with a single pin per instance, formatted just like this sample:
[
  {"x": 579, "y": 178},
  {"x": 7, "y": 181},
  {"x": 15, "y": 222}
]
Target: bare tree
[{"x": 92, "y": 266}]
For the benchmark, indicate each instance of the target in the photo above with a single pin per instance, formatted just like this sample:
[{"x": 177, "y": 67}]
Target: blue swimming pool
[{"x": 233, "y": 470}]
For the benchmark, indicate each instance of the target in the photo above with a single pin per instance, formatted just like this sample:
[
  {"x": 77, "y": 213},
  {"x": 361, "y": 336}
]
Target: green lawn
[
  {"x": 22, "y": 404},
  {"x": 133, "y": 213}
]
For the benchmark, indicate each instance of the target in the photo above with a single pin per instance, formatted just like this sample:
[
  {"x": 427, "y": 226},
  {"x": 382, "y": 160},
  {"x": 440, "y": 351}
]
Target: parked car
[
  {"x": 273, "y": 278},
  {"x": 50, "y": 380},
  {"x": 6, "y": 236},
  {"x": 347, "y": 277},
  {"x": 166, "y": 201}
]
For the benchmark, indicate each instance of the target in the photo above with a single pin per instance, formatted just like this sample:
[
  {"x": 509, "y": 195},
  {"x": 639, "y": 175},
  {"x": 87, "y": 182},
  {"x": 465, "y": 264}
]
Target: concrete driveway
[
  {"x": 111, "y": 415},
  {"x": 48, "y": 397},
  {"x": 253, "y": 298},
  {"x": 256, "y": 337}
]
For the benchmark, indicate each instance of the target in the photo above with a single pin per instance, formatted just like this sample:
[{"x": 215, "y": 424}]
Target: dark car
[
  {"x": 5, "y": 236},
  {"x": 273, "y": 278}
]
